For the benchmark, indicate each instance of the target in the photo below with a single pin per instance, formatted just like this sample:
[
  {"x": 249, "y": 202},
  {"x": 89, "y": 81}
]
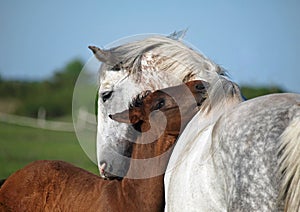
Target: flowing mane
[
  {"x": 171, "y": 56},
  {"x": 166, "y": 54}
]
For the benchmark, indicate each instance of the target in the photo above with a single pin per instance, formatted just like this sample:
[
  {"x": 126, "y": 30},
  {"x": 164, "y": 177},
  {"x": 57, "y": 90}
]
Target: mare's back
[{"x": 247, "y": 139}]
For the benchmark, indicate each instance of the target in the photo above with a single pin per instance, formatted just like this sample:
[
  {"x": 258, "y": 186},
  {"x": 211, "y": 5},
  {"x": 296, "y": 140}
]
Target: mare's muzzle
[{"x": 113, "y": 162}]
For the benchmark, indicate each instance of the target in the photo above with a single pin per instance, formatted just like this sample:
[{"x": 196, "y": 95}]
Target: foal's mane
[{"x": 138, "y": 100}]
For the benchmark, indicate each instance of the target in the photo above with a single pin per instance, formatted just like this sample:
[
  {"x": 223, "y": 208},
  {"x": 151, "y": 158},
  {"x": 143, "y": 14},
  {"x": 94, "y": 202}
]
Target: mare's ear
[
  {"x": 126, "y": 117},
  {"x": 105, "y": 56}
]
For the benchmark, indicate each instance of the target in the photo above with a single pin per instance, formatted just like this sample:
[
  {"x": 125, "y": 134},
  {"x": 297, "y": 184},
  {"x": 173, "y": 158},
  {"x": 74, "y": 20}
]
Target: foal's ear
[
  {"x": 198, "y": 86},
  {"x": 125, "y": 117}
]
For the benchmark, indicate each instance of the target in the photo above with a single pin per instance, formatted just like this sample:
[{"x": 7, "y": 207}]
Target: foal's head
[{"x": 178, "y": 104}]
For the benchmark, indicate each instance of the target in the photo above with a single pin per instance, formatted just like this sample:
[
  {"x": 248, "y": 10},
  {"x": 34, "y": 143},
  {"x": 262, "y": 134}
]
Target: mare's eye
[
  {"x": 106, "y": 95},
  {"x": 160, "y": 104},
  {"x": 117, "y": 67}
]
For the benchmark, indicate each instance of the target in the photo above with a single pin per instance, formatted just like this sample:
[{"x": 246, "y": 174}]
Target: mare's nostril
[{"x": 103, "y": 165}]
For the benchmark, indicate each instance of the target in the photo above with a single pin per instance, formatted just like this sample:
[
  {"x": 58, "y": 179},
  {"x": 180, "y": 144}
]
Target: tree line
[{"x": 53, "y": 94}]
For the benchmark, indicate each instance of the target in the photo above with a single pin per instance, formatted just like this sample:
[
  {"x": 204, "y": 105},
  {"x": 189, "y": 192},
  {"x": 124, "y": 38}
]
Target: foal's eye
[
  {"x": 199, "y": 86},
  {"x": 106, "y": 95},
  {"x": 160, "y": 104}
]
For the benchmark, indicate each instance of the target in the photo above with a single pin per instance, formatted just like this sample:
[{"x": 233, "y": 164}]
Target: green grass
[{"x": 22, "y": 145}]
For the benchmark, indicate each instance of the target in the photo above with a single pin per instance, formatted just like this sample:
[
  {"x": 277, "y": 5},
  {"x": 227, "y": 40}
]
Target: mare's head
[
  {"x": 157, "y": 119},
  {"x": 150, "y": 64}
]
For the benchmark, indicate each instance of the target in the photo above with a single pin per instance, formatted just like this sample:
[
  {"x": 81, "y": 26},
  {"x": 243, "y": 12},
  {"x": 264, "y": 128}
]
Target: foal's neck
[
  {"x": 149, "y": 149},
  {"x": 145, "y": 178},
  {"x": 150, "y": 158}
]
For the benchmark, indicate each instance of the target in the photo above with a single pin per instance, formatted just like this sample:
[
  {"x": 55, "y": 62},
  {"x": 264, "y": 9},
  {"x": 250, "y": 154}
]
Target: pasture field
[{"x": 21, "y": 145}]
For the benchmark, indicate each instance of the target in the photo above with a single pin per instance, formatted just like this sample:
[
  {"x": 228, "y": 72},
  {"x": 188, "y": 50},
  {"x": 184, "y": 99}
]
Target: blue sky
[{"x": 258, "y": 42}]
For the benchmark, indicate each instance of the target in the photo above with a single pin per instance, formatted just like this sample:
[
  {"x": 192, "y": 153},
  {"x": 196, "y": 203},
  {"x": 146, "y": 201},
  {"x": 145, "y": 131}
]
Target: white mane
[
  {"x": 168, "y": 55},
  {"x": 173, "y": 58}
]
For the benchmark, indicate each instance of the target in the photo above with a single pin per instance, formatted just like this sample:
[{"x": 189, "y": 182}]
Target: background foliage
[{"x": 54, "y": 94}]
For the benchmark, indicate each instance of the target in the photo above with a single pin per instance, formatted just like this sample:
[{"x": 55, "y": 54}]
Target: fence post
[
  {"x": 41, "y": 117},
  {"x": 82, "y": 119}
]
